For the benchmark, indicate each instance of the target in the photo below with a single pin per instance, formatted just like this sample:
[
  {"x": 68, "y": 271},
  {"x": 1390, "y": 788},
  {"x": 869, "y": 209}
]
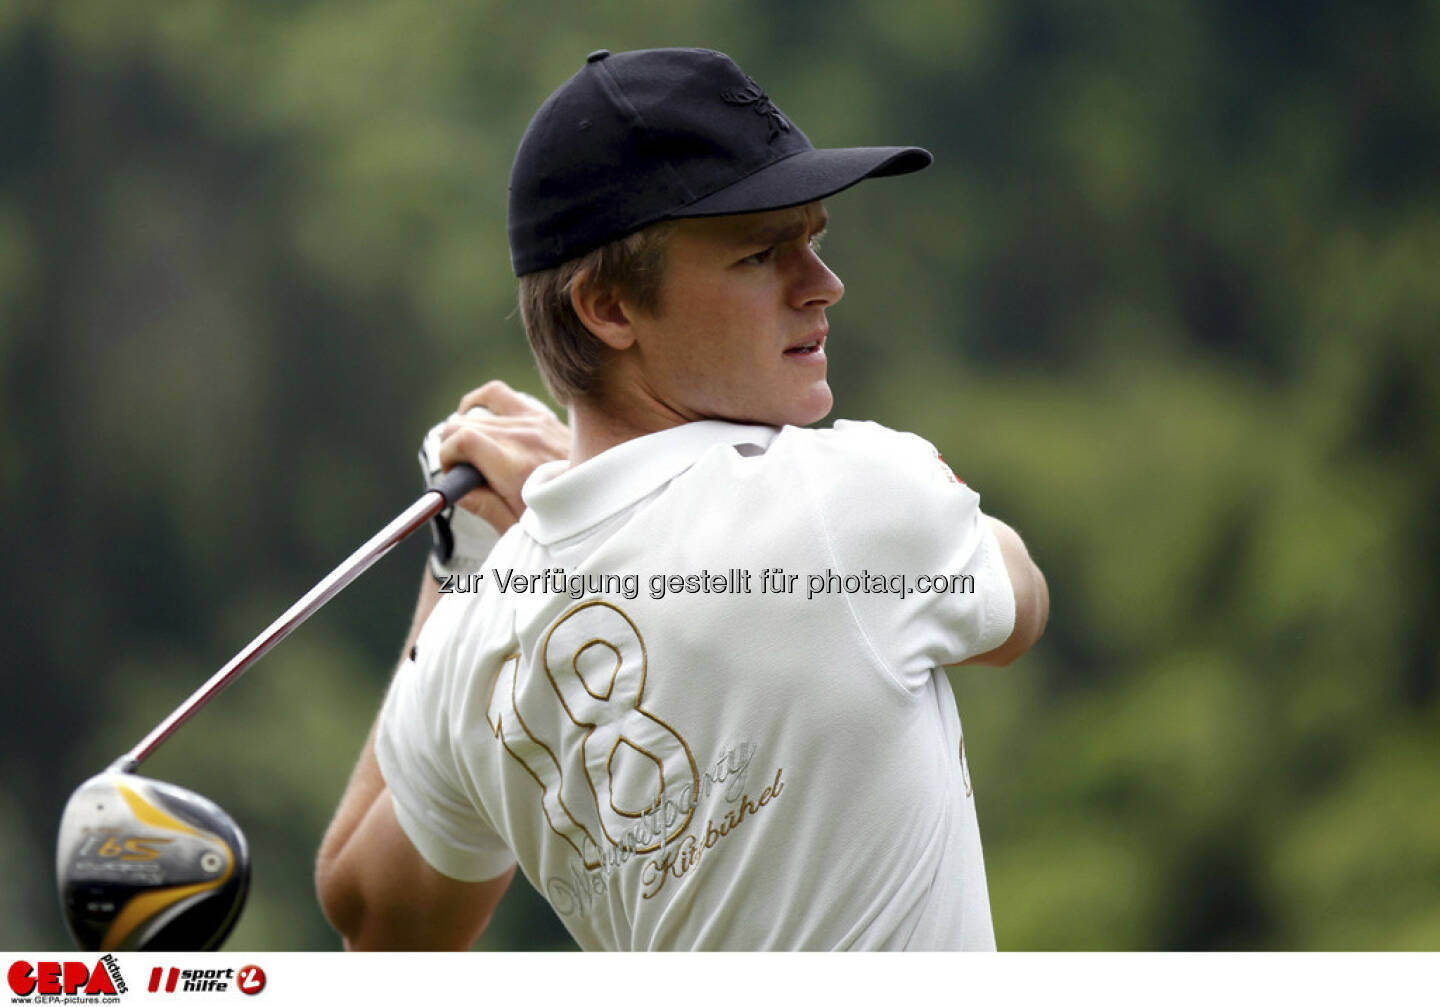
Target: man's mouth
[{"x": 806, "y": 349}]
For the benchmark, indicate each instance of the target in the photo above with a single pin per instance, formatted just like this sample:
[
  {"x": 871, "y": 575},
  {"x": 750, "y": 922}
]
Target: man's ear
[{"x": 601, "y": 311}]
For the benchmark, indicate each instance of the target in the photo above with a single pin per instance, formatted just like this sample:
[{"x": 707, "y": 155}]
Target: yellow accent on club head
[
  {"x": 151, "y": 815},
  {"x": 143, "y": 907}
]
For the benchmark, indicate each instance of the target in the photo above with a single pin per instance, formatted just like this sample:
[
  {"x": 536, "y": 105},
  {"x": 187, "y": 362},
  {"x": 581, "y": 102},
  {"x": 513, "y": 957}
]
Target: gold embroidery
[
  {"x": 614, "y": 717},
  {"x": 524, "y": 750},
  {"x": 681, "y": 858},
  {"x": 608, "y": 717}
]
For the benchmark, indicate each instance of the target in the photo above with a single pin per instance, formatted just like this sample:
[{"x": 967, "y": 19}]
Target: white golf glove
[{"x": 462, "y": 539}]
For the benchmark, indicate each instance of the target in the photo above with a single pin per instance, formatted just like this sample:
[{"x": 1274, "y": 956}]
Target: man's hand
[{"x": 517, "y": 435}]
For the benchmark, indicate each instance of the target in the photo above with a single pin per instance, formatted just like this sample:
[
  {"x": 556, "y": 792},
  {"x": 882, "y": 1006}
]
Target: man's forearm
[
  {"x": 366, "y": 783},
  {"x": 376, "y": 890}
]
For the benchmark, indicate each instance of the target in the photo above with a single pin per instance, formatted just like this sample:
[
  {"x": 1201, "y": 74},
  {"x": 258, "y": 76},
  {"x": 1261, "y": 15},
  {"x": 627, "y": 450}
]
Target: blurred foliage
[{"x": 1166, "y": 298}]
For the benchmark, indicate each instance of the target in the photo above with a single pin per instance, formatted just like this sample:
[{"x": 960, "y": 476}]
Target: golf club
[{"x": 144, "y": 865}]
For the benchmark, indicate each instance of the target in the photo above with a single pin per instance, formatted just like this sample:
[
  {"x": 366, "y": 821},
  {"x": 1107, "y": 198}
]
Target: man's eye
[{"x": 759, "y": 258}]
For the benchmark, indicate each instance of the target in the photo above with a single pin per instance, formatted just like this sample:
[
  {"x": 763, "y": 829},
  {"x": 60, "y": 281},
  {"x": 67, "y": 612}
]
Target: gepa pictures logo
[{"x": 49, "y": 982}]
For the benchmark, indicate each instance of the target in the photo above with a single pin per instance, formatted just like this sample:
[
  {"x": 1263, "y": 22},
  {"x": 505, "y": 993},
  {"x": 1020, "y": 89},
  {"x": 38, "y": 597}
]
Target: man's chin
[
  {"x": 810, "y": 407},
  {"x": 819, "y": 401}
]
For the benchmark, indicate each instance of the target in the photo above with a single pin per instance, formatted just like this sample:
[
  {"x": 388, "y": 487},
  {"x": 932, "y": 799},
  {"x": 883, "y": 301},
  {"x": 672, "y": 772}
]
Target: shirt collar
[{"x": 561, "y": 501}]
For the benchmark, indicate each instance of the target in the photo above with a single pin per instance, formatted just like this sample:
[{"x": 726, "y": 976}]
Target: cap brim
[{"x": 806, "y": 176}]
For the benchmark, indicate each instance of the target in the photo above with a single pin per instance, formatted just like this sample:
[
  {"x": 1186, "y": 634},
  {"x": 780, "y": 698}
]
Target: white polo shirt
[{"x": 696, "y": 694}]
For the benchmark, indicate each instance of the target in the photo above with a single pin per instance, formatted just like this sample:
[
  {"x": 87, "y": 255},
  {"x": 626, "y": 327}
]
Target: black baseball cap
[{"x": 638, "y": 137}]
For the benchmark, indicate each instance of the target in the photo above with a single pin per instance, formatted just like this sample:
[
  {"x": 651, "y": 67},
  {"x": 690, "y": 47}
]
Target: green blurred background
[{"x": 1168, "y": 299}]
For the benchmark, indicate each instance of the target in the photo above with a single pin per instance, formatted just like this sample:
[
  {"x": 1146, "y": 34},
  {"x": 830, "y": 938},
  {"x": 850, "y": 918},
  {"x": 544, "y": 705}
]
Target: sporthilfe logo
[{"x": 248, "y": 979}]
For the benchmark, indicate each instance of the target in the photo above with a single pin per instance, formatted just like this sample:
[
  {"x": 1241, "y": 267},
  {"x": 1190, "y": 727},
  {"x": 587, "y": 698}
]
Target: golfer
[{"x": 695, "y": 692}]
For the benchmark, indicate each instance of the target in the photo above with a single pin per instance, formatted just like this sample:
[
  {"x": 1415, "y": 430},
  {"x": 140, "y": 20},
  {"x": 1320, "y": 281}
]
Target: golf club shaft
[{"x": 452, "y": 486}]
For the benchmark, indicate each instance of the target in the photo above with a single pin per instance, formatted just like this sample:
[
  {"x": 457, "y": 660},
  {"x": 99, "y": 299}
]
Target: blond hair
[{"x": 568, "y": 354}]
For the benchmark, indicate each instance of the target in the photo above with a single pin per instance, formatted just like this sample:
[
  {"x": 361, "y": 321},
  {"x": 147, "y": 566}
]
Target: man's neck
[{"x": 597, "y": 427}]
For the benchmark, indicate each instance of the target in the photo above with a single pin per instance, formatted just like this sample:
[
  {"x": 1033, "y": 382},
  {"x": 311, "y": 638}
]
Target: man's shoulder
[
  {"x": 869, "y": 476},
  {"x": 843, "y": 436},
  {"x": 880, "y": 452},
  {"x": 790, "y": 452}
]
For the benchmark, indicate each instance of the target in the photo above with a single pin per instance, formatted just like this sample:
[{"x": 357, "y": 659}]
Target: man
[{"x": 696, "y": 691}]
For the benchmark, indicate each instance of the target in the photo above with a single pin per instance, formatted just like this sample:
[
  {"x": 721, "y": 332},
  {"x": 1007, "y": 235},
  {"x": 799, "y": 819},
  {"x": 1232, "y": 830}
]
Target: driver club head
[{"x": 145, "y": 865}]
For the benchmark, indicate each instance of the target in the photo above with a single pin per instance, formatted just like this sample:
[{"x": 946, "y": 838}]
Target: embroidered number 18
[{"x": 600, "y": 779}]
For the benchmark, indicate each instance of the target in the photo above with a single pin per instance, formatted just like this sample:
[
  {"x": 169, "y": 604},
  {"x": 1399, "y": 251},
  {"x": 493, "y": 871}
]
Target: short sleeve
[
  {"x": 922, "y": 571},
  {"x": 412, "y": 746}
]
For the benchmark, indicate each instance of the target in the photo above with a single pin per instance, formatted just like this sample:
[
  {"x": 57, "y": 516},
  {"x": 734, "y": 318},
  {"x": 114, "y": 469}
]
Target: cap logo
[{"x": 752, "y": 95}]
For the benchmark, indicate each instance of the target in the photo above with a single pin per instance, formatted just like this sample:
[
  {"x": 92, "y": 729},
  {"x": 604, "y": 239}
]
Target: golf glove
[{"x": 462, "y": 539}]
